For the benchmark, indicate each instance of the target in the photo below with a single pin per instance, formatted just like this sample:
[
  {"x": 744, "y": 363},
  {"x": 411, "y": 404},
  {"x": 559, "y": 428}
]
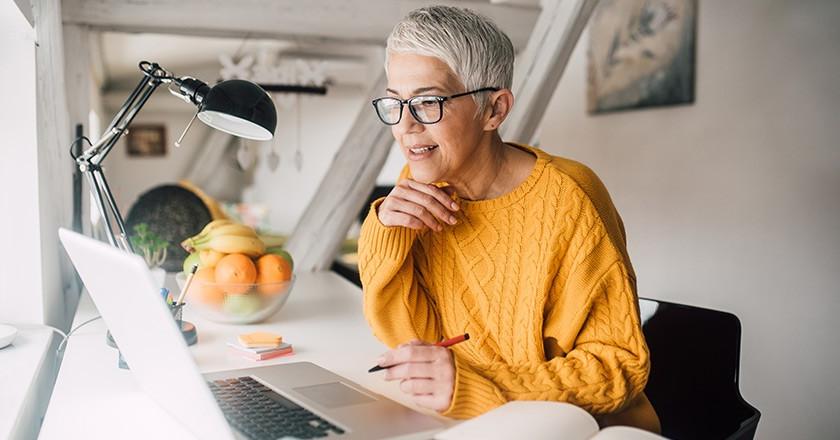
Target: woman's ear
[{"x": 499, "y": 105}]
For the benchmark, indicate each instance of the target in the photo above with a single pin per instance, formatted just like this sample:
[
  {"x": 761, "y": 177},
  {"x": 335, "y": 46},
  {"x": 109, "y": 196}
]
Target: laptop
[{"x": 287, "y": 401}]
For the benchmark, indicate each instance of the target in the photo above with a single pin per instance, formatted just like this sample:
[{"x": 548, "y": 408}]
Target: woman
[{"x": 522, "y": 250}]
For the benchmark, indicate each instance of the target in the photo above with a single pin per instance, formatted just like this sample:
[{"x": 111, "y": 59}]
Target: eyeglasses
[{"x": 426, "y": 109}]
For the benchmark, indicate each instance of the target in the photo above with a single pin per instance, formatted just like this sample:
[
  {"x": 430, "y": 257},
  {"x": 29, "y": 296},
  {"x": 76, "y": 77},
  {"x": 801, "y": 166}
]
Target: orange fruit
[
  {"x": 203, "y": 288},
  {"x": 210, "y": 257},
  {"x": 272, "y": 270},
  {"x": 235, "y": 273},
  {"x": 283, "y": 253}
]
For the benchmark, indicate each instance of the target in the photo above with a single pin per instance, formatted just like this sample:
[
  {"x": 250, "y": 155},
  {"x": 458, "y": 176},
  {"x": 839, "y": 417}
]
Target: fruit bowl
[{"x": 231, "y": 303}]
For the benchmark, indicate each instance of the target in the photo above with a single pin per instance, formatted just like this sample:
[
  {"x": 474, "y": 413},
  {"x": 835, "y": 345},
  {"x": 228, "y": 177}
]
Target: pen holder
[
  {"x": 177, "y": 311},
  {"x": 187, "y": 329}
]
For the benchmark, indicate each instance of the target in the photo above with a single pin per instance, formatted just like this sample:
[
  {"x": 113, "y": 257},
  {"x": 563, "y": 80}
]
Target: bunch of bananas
[{"x": 223, "y": 236}]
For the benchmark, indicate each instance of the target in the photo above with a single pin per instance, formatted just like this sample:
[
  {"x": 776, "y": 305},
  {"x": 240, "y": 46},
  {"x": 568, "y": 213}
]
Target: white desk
[
  {"x": 27, "y": 369},
  {"x": 93, "y": 399}
]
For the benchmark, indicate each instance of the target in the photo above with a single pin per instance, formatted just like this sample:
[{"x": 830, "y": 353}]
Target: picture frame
[
  {"x": 146, "y": 140},
  {"x": 641, "y": 54}
]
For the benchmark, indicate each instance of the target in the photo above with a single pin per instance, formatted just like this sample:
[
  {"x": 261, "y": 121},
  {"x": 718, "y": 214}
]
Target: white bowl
[{"x": 255, "y": 303}]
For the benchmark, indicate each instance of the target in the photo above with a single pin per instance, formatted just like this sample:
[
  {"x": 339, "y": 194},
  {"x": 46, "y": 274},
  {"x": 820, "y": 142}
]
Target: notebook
[{"x": 538, "y": 420}]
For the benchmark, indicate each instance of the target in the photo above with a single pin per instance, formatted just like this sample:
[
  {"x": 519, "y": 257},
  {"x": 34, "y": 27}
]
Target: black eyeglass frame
[{"x": 440, "y": 100}]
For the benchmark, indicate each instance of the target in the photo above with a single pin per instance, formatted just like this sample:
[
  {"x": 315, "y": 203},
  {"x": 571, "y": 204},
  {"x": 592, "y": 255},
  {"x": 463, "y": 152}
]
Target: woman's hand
[
  {"x": 418, "y": 206},
  {"x": 426, "y": 372}
]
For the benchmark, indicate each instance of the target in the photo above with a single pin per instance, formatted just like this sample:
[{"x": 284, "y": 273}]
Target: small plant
[{"x": 149, "y": 245}]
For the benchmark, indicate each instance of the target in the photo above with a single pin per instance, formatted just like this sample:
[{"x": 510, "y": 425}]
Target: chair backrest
[{"x": 693, "y": 382}]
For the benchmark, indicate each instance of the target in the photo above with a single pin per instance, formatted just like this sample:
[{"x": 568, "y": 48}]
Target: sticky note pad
[{"x": 260, "y": 339}]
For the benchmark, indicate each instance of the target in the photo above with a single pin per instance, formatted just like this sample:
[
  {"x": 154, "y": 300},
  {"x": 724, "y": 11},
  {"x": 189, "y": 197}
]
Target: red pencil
[
  {"x": 452, "y": 341},
  {"x": 445, "y": 343}
]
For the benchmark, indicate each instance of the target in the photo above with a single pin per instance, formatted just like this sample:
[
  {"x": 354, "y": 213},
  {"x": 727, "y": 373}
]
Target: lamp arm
[{"x": 89, "y": 162}]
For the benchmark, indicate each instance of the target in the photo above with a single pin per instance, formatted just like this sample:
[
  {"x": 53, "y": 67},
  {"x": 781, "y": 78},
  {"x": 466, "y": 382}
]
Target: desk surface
[
  {"x": 93, "y": 399},
  {"x": 24, "y": 366}
]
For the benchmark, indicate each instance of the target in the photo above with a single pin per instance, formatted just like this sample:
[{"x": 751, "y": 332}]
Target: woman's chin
[{"x": 423, "y": 175}]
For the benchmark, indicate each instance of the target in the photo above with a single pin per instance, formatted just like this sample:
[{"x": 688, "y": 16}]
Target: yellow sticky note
[{"x": 260, "y": 339}]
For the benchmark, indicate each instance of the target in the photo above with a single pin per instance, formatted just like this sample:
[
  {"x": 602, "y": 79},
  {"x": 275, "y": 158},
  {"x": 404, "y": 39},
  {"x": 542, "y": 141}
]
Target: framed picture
[
  {"x": 146, "y": 140},
  {"x": 641, "y": 54}
]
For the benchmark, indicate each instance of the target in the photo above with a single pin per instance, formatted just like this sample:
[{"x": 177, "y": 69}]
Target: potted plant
[{"x": 152, "y": 248}]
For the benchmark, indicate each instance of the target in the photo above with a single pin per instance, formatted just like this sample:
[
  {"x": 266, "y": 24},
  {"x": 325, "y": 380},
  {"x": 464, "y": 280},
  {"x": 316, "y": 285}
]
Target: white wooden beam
[
  {"x": 77, "y": 69},
  {"x": 541, "y": 65},
  {"x": 350, "y": 178},
  {"x": 360, "y": 21},
  {"x": 98, "y": 68},
  {"x": 25, "y": 7},
  {"x": 77, "y": 74},
  {"x": 55, "y": 166}
]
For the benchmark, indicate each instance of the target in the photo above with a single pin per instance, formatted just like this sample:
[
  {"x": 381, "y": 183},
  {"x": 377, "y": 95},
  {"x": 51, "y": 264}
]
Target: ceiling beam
[
  {"x": 357, "y": 21},
  {"x": 542, "y": 63},
  {"x": 25, "y": 7},
  {"x": 98, "y": 66},
  {"x": 342, "y": 193}
]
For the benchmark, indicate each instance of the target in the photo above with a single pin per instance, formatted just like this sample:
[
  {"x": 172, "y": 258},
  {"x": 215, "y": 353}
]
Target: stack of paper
[{"x": 260, "y": 346}]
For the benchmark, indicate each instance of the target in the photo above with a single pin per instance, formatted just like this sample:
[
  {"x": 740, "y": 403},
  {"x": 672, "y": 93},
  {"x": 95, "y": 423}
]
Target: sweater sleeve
[
  {"x": 396, "y": 303},
  {"x": 604, "y": 367}
]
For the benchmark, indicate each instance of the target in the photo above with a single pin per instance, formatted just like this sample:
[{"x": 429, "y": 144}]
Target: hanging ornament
[
  {"x": 244, "y": 155},
  {"x": 273, "y": 158},
  {"x": 298, "y": 155},
  {"x": 234, "y": 70},
  {"x": 310, "y": 72}
]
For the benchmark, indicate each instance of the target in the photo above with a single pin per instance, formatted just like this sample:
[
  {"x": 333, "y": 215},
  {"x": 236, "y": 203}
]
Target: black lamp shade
[{"x": 240, "y": 108}]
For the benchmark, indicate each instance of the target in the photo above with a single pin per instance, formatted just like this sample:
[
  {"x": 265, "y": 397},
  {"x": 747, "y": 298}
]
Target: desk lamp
[{"x": 237, "y": 107}]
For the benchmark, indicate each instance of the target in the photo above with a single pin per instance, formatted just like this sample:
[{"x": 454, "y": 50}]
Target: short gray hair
[{"x": 476, "y": 50}]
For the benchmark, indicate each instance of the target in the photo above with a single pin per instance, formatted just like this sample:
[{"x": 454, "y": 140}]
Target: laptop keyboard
[{"x": 260, "y": 413}]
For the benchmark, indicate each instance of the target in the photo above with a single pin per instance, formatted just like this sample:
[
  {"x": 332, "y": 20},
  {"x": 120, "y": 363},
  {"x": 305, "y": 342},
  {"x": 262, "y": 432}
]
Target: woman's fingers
[
  {"x": 411, "y": 370},
  {"x": 434, "y": 401},
  {"x": 410, "y": 353},
  {"x": 394, "y": 218},
  {"x": 410, "y": 208},
  {"x": 425, "y": 371},
  {"x": 427, "y": 203},
  {"x": 417, "y": 386},
  {"x": 440, "y": 195}
]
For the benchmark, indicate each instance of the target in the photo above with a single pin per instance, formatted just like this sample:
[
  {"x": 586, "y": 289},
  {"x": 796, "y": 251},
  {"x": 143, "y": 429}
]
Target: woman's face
[{"x": 435, "y": 152}]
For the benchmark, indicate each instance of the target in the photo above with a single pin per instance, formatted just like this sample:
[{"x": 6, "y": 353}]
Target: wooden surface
[
  {"x": 356, "y": 21},
  {"x": 541, "y": 65}
]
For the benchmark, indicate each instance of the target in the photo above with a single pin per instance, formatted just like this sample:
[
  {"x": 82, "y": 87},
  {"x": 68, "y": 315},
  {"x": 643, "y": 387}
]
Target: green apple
[
  {"x": 241, "y": 305},
  {"x": 191, "y": 260}
]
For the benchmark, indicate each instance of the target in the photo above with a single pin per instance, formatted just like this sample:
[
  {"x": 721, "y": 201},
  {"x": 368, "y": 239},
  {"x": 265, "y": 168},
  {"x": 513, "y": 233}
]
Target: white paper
[{"x": 533, "y": 420}]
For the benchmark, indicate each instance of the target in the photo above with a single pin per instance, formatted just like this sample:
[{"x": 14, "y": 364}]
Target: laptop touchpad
[{"x": 334, "y": 395}]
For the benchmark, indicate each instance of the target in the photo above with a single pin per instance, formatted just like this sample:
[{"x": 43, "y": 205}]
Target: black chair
[{"x": 693, "y": 382}]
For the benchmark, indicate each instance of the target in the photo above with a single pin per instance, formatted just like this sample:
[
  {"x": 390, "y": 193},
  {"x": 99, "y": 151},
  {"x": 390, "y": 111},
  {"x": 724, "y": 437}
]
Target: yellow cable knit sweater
[{"x": 538, "y": 277}]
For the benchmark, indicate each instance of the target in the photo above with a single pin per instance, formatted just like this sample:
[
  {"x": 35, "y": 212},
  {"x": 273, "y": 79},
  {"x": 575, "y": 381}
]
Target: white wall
[
  {"x": 733, "y": 202},
  {"x": 20, "y": 262},
  {"x": 325, "y": 121}
]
